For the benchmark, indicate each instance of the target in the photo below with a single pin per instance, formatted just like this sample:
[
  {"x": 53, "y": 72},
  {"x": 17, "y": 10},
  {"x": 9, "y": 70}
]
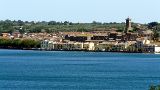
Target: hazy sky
[{"x": 142, "y": 11}]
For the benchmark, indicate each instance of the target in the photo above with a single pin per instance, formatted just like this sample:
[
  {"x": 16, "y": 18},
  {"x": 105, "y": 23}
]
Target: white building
[
  {"x": 47, "y": 45},
  {"x": 157, "y": 49},
  {"x": 146, "y": 47}
]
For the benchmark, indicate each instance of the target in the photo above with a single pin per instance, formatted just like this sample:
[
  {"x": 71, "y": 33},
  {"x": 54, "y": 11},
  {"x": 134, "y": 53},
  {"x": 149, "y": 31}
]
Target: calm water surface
[{"x": 41, "y": 70}]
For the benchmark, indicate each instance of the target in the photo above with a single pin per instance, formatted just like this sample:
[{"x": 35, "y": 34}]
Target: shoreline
[{"x": 38, "y": 49}]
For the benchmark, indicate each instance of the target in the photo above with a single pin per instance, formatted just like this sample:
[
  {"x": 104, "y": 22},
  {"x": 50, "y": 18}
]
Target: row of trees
[
  {"x": 19, "y": 44},
  {"x": 53, "y": 26},
  {"x": 21, "y": 23}
]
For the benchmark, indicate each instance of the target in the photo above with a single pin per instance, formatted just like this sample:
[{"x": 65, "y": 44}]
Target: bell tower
[{"x": 128, "y": 25}]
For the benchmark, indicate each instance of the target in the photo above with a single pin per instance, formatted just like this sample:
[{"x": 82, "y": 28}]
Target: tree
[
  {"x": 156, "y": 35},
  {"x": 28, "y": 43},
  {"x": 52, "y": 23},
  {"x": 20, "y": 23},
  {"x": 95, "y": 22},
  {"x": 151, "y": 25},
  {"x": 66, "y": 23},
  {"x": 16, "y": 43}
]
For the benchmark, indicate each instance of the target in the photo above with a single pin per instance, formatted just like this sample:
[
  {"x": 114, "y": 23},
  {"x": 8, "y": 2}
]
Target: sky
[{"x": 83, "y": 11}]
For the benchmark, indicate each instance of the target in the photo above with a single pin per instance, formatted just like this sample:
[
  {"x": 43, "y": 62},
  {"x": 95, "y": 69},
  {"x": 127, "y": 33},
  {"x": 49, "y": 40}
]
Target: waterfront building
[
  {"x": 151, "y": 49},
  {"x": 47, "y": 45},
  {"x": 104, "y": 46},
  {"x": 63, "y": 46},
  {"x": 147, "y": 47},
  {"x": 129, "y": 46},
  {"x": 51, "y": 45},
  {"x": 74, "y": 46},
  {"x": 90, "y": 46},
  {"x": 110, "y": 46}
]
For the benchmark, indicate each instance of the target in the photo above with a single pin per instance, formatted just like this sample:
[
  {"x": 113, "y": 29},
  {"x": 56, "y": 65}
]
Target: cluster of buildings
[
  {"x": 34, "y": 36},
  {"x": 112, "y": 41}
]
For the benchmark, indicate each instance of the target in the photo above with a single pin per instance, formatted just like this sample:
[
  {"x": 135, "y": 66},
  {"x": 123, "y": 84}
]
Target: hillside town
[{"x": 107, "y": 41}]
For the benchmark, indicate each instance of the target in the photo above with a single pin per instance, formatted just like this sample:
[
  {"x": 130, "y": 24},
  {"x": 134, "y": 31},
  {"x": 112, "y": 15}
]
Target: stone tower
[{"x": 128, "y": 25}]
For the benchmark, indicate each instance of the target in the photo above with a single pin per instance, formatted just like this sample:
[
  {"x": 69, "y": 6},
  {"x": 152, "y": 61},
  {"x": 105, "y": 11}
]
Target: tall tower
[{"x": 128, "y": 25}]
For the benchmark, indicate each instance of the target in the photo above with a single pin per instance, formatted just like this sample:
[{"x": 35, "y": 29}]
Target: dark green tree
[{"x": 151, "y": 25}]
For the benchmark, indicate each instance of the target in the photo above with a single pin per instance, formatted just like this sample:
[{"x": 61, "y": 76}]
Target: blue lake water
[{"x": 56, "y": 70}]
